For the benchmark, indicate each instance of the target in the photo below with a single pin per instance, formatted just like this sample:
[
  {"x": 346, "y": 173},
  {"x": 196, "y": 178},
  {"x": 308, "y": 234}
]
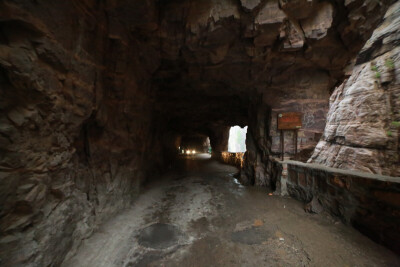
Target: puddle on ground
[
  {"x": 146, "y": 260},
  {"x": 235, "y": 179},
  {"x": 159, "y": 236},
  {"x": 250, "y": 236}
]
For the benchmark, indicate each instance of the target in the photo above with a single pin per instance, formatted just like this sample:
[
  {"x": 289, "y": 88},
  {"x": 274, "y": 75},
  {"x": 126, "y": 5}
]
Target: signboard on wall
[{"x": 289, "y": 121}]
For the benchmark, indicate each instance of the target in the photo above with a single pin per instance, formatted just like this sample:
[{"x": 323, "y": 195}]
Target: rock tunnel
[{"x": 99, "y": 97}]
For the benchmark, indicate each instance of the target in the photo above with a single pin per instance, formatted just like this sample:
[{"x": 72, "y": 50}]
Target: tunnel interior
[
  {"x": 195, "y": 144},
  {"x": 99, "y": 97}
]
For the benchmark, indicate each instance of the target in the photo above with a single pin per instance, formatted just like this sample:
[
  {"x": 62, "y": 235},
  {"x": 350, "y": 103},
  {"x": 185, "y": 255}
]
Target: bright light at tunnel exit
[{"x": 237, "y": 139}]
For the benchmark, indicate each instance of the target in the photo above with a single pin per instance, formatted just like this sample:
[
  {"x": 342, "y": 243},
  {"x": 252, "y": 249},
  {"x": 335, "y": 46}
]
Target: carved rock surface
[
  {"x": 250, "y": 4},
  {"x": 95, "y": 94},
  {"x": 362, "y": 130}
]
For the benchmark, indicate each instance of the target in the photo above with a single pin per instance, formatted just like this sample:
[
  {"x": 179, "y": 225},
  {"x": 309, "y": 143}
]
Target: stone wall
[{"x": 370, "y": 203}]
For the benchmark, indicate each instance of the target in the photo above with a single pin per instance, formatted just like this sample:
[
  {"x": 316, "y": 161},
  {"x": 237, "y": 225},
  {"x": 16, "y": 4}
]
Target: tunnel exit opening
[{"x": 195, "y": 144}]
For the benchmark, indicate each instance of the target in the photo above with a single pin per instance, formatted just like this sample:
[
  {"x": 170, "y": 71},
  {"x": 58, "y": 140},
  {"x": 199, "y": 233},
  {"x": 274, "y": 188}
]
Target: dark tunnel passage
[{"x": 114, "y": 133}]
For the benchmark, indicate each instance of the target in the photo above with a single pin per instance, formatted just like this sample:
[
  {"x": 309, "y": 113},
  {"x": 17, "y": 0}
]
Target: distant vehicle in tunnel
[
  {"x": 188, "y": 151},
  {"x": 194, "y": 144}
]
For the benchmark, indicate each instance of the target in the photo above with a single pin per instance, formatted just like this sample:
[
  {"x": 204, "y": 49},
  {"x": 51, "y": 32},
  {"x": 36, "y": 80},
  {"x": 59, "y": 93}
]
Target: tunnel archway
[{"x": 195, "y": 144}]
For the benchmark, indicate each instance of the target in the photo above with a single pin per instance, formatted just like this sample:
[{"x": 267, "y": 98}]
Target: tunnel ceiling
[
  {"x": 208, "y": 58},
  {"x": 202, "y": 63}
]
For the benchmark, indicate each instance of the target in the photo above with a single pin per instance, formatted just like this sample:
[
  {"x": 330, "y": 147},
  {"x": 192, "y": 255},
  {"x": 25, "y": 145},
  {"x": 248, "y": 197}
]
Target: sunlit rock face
[
  {"x": 95, "y": 95},
  {"x": 363, "y": 122}
]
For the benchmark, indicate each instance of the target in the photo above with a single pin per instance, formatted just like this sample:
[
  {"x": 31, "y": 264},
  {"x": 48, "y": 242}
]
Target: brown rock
[
  {"x": 390, "y": 198},
  {"x": 316, "y": 26},
  {"x": 314, "y": 206},
  {"x": 302, "y": 179},
  {"x": 250, "y": 4},
  {"x": 293, "y": 37},
  {"x": 270, "y": 13},
  {"x": 91, "y": 91},
  {"x": 298, "y": 9}
]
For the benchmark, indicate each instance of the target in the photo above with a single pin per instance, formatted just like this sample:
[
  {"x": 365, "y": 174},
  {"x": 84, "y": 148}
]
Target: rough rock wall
[
  {"x": 218, "y": 55},
  {"x": 77, "y": 82},
  {"x": 219, "y": 52},
  {"x": 219, "y": 138},
  {"x": 309, "y": 95},
  {"x": 316, "y": 45},
  {"x": 75, "y": 125},
  {"x": 257, "y": 166},
  {"x": 363, "y": 123}
]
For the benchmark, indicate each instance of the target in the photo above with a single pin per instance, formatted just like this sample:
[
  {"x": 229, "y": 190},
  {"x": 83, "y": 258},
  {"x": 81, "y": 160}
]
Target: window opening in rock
[{"x": 237, "y": 139}]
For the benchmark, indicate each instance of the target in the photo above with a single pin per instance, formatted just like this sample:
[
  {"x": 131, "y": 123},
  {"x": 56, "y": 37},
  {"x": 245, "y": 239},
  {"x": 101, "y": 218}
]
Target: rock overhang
[{"x": 238, "y": 49}]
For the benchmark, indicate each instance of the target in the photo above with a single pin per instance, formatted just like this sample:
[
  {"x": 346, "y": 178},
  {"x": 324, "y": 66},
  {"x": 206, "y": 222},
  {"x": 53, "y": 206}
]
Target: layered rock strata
[
  {"x": 363, "y": 123},
  {"x": 76, "y": 124}
]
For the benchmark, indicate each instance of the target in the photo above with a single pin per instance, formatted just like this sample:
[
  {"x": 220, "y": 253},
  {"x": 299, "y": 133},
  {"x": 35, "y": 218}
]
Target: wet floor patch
[
  {"x": 250, "y": 236},
  {"x": 200, "y": 225},
  {"x": 146, "y": 260},
  {"x": 159, "y": 236}
]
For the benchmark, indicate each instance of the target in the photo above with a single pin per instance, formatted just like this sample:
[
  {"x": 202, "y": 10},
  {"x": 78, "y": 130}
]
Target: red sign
[{"x": 289, "y": 121}]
